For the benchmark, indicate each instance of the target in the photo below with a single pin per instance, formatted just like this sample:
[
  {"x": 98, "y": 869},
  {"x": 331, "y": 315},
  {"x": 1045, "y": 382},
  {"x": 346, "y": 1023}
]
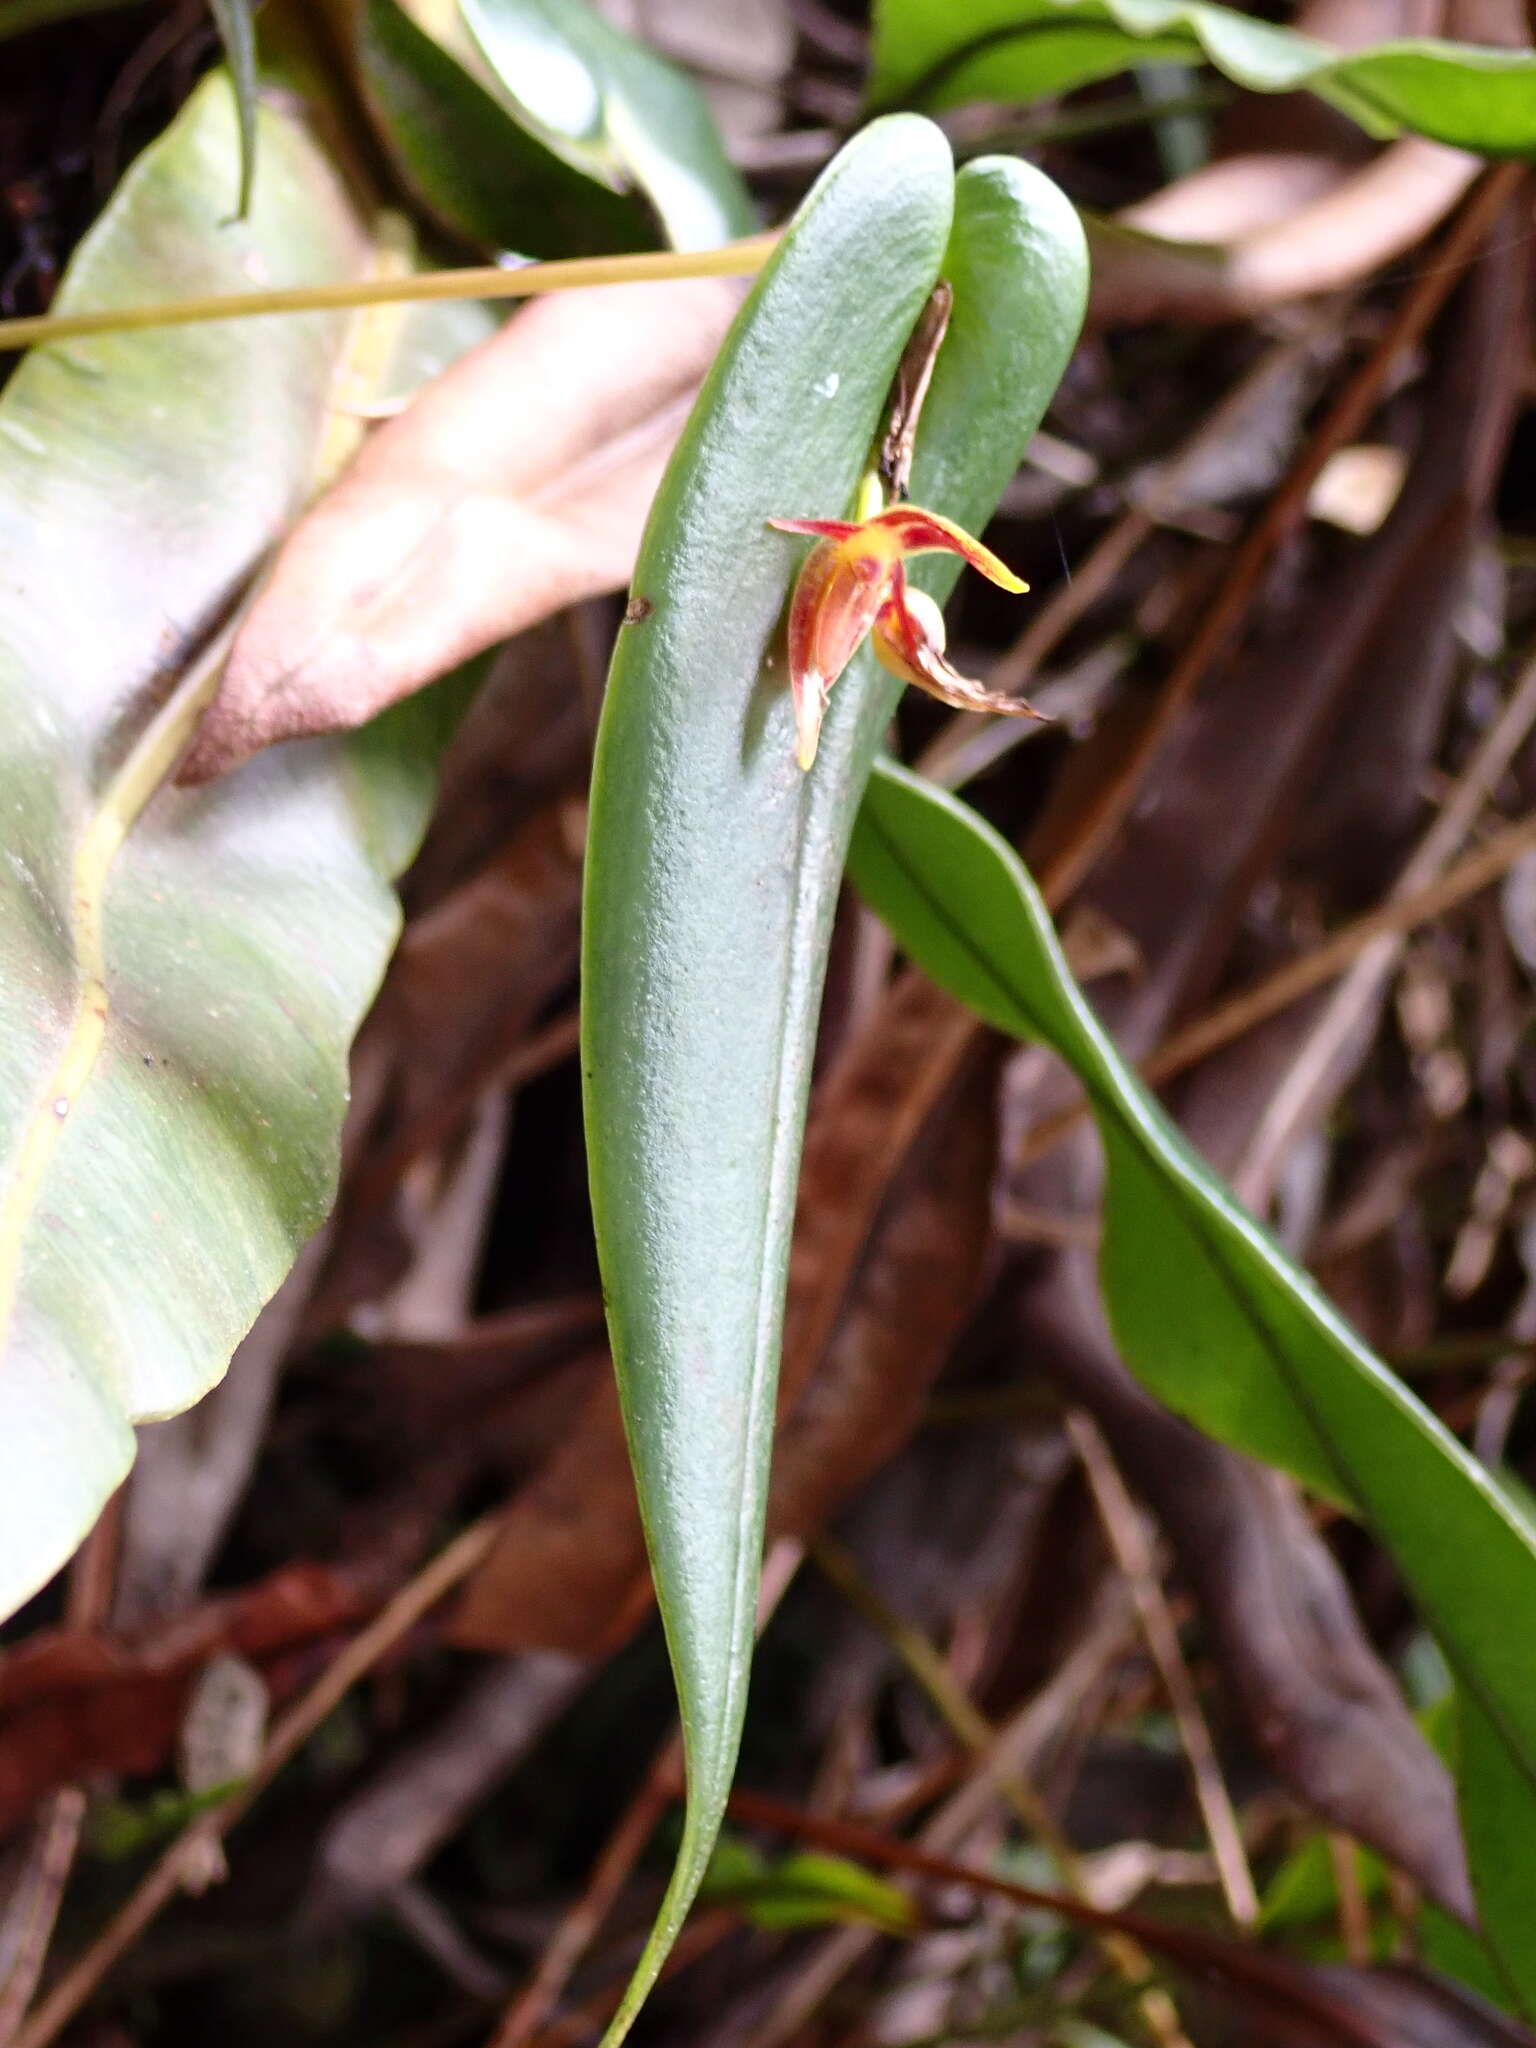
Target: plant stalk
[{"x": 488, "y": 281}]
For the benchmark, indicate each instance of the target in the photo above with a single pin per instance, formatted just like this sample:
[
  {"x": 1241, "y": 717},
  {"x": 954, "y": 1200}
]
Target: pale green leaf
[
  {"x": 532, "y": 126},
  {"x": 480, "y": 170},
  {"x": 175, "y": 1009}
]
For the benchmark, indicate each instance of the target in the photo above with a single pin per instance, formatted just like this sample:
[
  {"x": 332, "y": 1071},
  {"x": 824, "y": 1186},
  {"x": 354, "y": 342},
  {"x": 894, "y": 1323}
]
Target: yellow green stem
[
  {"x": 735, "y": 259},
  {"x": 871, "y": 498}
]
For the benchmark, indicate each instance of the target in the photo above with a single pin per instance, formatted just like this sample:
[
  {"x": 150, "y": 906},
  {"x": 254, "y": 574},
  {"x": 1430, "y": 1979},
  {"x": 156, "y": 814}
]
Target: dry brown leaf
[
  {"x": 75, "y": 1703},
  {"x": 516, "y": 483},
  {"x": 473, "y": 973},
  {"x": 1249, "y": 233},
  {"x": 568, "y": 1569}
]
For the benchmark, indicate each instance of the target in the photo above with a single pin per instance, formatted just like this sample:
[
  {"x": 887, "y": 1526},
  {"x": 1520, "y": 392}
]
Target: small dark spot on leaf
[{"x": 637, "y": 609}]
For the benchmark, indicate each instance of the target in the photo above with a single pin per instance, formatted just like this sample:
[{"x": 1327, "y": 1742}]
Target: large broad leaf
[
  {"x": 180, "y": 972},
  {"x": 713, "y": 863},
  {"x": 532, "y": 125},
  {"x": 931, "y": 53},
  {"x": 1216, "y": 1320}
]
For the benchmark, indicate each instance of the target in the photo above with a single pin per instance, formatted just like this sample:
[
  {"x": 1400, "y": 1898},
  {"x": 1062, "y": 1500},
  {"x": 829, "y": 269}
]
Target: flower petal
[
  {"x": 828, "y": 529},
  {"x": 919, "y": 532},
  {"x": 838, "y": 592}
]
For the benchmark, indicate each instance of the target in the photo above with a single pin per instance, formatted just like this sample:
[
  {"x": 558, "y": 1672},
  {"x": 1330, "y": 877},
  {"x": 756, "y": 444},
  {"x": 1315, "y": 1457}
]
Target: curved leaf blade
[
  {"x": 931, "y": 54},
  {"x": 713, "y": 863},
  {"x": 180, "y": 972},
  {"x": 455, "y": 144},
  {"x": 532, "y": 125},
  {"x": 1216, "y": 1320},
  {"x": 625, "y": 111}
]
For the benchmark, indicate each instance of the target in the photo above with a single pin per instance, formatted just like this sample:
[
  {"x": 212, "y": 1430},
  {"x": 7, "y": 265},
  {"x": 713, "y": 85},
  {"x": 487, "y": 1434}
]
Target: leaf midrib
[{"x": 148, "y": 762}]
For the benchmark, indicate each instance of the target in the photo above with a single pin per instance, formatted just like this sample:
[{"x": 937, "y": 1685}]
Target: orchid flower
[{"x": 853, "y": 583}]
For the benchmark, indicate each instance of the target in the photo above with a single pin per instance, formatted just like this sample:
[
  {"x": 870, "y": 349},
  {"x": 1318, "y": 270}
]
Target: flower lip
[{"x": 908, "y": 639}]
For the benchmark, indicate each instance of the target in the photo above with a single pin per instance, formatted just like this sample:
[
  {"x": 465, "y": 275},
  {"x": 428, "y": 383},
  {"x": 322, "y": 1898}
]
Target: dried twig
[
  {"x": 1016, "y": 1751},
  {"x": 1318, "y": 1065},
  {"x": 1242, "y": 1967},
  {"x": 39, "y": 1890},
  {"x": 663, "y": 1782},
  {"x": 966, "y": 1721},
  {"x": 577, "y": 1931},
  {"x": 1013, "y": 672},
  {"x": 1133, "y": 1553},
  {"x": 573, "y": 273}
]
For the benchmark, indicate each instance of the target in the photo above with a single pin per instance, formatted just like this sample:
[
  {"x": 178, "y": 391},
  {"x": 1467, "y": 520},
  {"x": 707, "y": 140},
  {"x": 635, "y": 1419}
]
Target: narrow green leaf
[
  {"x": 803, "y": 1889},
  {"x": 622, "y": 110},
  {"x": 713, "y": 863},
  {"x": 1211, "y": 1314},
  {"x": 238, "y": 35},
  {"x": 930, "y": 53},
  {"x": 180, "y": 971},
  {"x": 711, "y": 868},
  {"x": 1452, "y": 1950}
]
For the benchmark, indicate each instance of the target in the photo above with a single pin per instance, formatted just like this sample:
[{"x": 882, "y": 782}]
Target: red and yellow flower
[{"x": 853, "y": 583}]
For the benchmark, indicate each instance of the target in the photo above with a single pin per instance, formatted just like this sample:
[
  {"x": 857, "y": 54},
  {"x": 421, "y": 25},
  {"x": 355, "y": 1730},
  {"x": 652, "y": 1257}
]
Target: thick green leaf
[
  {"x": 1211, "y": 1314},
  {"x": 624, "y": 112},
  {"x": 531, "y": 125},
  {"x": 175, "y": 1010},
  {"x": 931, "y": 53},
  {"x": 713, "y": 863}
]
